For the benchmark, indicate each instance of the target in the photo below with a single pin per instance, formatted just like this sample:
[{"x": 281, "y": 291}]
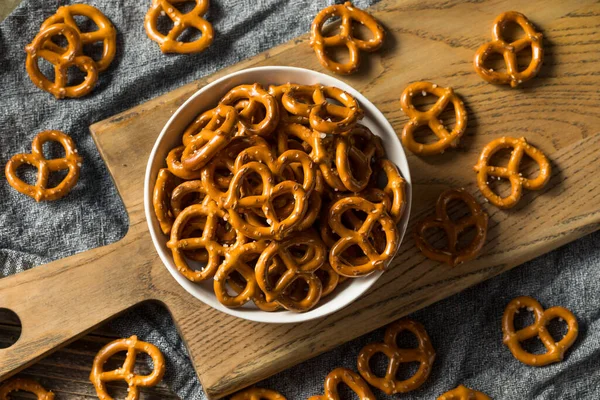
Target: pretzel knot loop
[
  {"x": 431, "y": 118},
  {"x": 40, "y": 191},
  {"x": 424, "y": 354},
  {"x": 255, "y": 393},
  {"x": 477, "y": 219},
  {"x": 25, "y": 385},
  {"x": 539, "y": 328},
  {"x": 354, "y": 152},
  {"x": 348, "y": 14},
  {"x": 509, "y": 51},
  {"x": 463, "y": 393},
  {"x": 132, "y": 346},
  {"x": 511, "y": 171},
  {"x": 350, "y": 378},
  {"x": 255, "y": 95},
  {"x": 169, "y": 43}
]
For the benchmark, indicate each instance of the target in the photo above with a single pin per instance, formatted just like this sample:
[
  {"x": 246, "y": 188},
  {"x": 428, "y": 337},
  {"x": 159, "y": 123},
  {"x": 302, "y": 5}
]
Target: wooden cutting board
[{"x": 427, "y": 40}]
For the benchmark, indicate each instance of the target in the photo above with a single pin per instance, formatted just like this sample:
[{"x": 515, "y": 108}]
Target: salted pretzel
[
  {"x": 376, "y": 214},
  {"x": 161, "y": 199},
  {"x": 463, "y": 393},
  {"x": 327, "y": 117},
  {"x": 25, "y": 385},
  {"x": 395, "y": 188},
  {"x": 555, "y": 350},
  {"x": 350, "y": 378},
  {"x": 509, "y": 51},
  {"x": 40, "y": 191},
  {"x": 329, "y": 279},
  {"x": 450, "y": 254},
  {"x": 349, "y": 15},
  {"x": 126, "y": 373},
  {"x": 511, "y": 171},
  {"x": 255, "y": 393},
  {"x": 176, "y": 167},
  {"x": 312, "y": 138},
  {"x": 423, "y": 354},
  {"x": 254, "y": 93},
  {"x": 181, "y": 21},
  {"x": 106, "y": 32},
  {"x": 354, "y": 152},
  {"x": 431, "y": 118},
  {"x": 72, "y": 56}
]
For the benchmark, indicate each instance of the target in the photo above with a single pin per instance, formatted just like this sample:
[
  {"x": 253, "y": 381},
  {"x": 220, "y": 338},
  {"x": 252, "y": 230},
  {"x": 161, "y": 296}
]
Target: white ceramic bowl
[{"x": 207, "y": 98}]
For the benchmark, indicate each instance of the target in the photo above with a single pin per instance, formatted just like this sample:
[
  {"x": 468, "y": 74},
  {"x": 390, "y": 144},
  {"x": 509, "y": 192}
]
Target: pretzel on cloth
[
  {"x": 431, "y": 118},
  {"x": 166, "y": 182},
  {"x": 509, "y": 51},
  {"x": 72, "y": 56},
  {"x": 25, "y": 385},
  {"x": 255, "y": 393},
  {"x": 424, "y": 354},
  {"x": 511, "y": 171},
  {"x": 348, "y": 14},
  {"x": 451, "y": 255},
  {"x": 181, "y": 21},
  {"x": 40, "y": 191},
  {"x": 555, "y": 350},
  {"x": 463, "y": 393},
  {"x": 255, "y": 94},
  {"x": 106, "y": 32},
  {"x": 350, "y": 378},
  {"x": 354, "y": 152},
  {"x": 126, "y": 373}
]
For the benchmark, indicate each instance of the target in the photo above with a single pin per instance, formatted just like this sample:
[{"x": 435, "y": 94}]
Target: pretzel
[
  {"x": 176, "y": 167},
  {"x": 424, "y": 354},
  {"x": 69, "y": 57},
  {"x": 329, "y": 279},
  {"x": 25, "y": 385},
  {"x": 451, "y": 255},
  {"x": 509, "y": 51},
  {"x": 349, "y": 14},
  {"x": 555, "y": 350},
  {"x": 106, "y": 32},
  {"x": 463, "y": 393},
  {"x": 126, "y": 373},
  {"x": 217, "y": 133},
  {"x": 255, "y": 393},
  {"x": 314, "y": 139},
  {"x": 376, "y": 214},
  {"x": 353, "y": 162},
  {"x": 256, "y": 94},
  {"x": 395, "y": 188},
  {"x": 161, "y": 199},
  {"x": 180, "y": 196},
  {"x": 181, "y": 21},
  {"x": 327, "y": 117},
  {"x": 350, "y": 378},
  {"x": 431, "y": 118},
  {"x": 40, "y": 191},
  {"x": 511, "y": 171}
]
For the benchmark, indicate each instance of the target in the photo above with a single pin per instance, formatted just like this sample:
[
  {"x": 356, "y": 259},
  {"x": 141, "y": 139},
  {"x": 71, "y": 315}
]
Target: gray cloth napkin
[{"x": 465, "y": 329}]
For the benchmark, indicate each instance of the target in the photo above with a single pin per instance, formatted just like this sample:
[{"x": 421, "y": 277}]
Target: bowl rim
[{"x": 263, "y": 316}]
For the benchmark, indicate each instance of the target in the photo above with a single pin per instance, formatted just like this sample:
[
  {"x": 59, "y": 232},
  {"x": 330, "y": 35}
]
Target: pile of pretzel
[{"x": 280, "y": 193}]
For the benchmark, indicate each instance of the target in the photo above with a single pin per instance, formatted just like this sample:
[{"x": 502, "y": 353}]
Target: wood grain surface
[{"x": 427, "y": 40}]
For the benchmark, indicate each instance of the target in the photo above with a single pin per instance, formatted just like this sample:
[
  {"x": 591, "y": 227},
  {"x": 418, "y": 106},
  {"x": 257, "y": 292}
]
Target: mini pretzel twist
[
  {"x": 352, "y": 160},
  {"x": 126, "y": 373},
  {"x": 350, "y": 378},
  {"x": 62, "y": 61},
  {"x": 161, "y": 199},
  {"x": 395, "y": 188},
  {"x": 348, "y": 14},
  {"x": 463, "y": 393},
  {"x": 25, "y": 385},
  {"x": 431, "y": 118},
  {"x": 424, "y": 354},
  {"x": 509, "y": 51},
  {"x": 327, "y": 117},
  {"x": 451, "y": 255},
  {"x": 555, "y": 350},
  {"x": 511, "y": 171},
  {"x": 40, "y": 191},
  {"x": 376, "y": 214},
  {"x": 106, "y": 32},
  {"x": 255, "y": 94},
  {"x": 309, "y": 136},
  {"x": 181, "y": 21},
  {"x": 255, "y": 393}
]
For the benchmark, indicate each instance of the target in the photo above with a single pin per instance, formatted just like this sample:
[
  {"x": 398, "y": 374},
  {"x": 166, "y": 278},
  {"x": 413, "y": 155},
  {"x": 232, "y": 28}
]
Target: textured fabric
[{"x": 465, "y": 329}]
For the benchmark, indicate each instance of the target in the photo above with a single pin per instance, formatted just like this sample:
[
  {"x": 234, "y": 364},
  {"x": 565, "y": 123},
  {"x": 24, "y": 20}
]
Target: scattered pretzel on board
[{"x": 24, "y": 385}]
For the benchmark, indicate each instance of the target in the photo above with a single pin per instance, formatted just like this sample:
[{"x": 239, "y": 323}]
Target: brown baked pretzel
[
  {"x": 395, "y": 188},
  {"x": 511, "y": 171},
  {"x": 254, "y": 93},
  {"x": 349, "y": 14},
  {"x": 509, "y": 51},
  {"x": 197, "y": 125},
  {"x": 298, "y": 101},
  {"x": 161, "y": 199},
  {"x": 176, "y": 168},
  {"x": 329, "y": 279},
  {"x": 327, "y": 117},
  {"x": 126, "y": 373},
  {"x": 354, "y": 152},
  {"x": 350, "y": 378},
  {"x": 185, "y": 194},
  {"x": 431, "y": 117},
  {"x": 40, "y": 191},
  {"x": 181, "y": 21},
  {"x": 106, "y": 32},
  {"x": 424, "y": 354},
  {"x": 255, "y": 393},
  {"x": 450, "y": 254},
  {"x": 376, "y": 214},
  {"x": 555, "y": 350},
  {"x": 314, "y": 139},
  {"x": 25, "y": 385},
  {"x": 463, "y": 393},
  {"x": 70, "y": 57}
]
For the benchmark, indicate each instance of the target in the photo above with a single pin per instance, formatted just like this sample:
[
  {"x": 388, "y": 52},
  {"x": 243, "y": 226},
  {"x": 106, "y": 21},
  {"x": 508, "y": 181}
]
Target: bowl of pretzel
[{"x": 277, "y": 194}]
